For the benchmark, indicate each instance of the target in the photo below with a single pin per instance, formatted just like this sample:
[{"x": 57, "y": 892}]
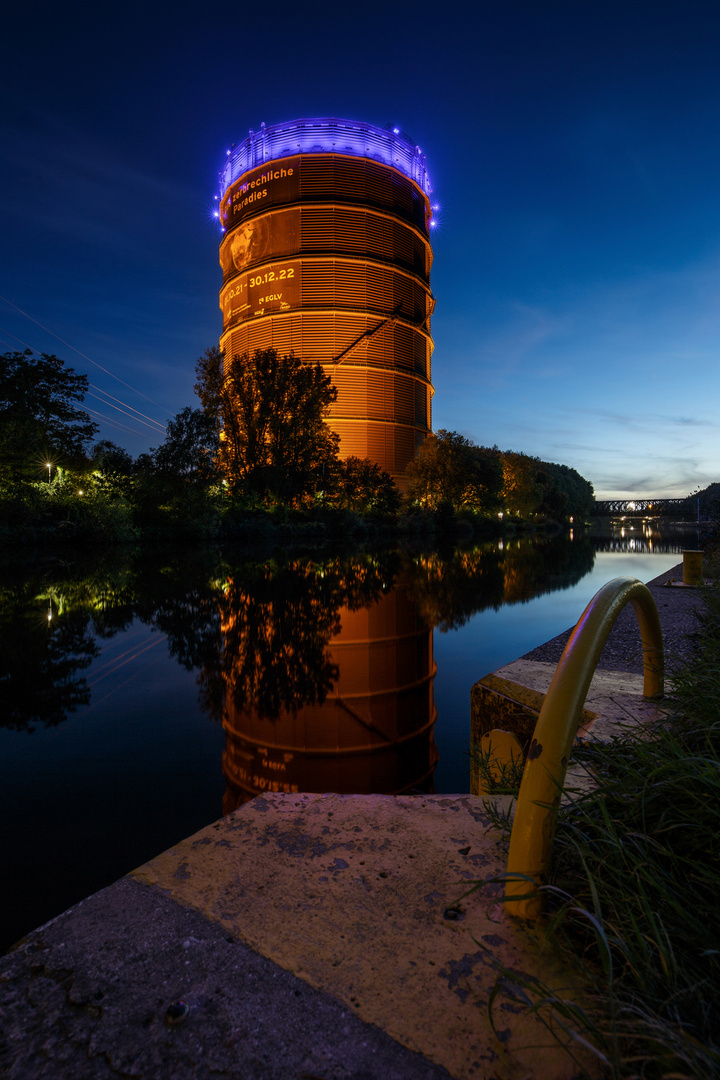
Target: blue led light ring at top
[{"x": 326, "y": 136}]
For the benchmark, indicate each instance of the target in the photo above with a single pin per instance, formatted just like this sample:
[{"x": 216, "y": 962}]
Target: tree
[
  {"x": 39, "y": 421},
  {"x": 532, "y": 486},
  {"x": 522, "y": 489},
  {"x": 189, "y": 452},
  {"x": 112, "y": 468},
  {"x": 566, "y": 493},
  {"x": 271, "y": 410},
  {"x": 451, "y": 469},
  {"x": 365, "y": 487},
  {"x": 110, "y": 459},
  {"x": 176, "y": 485}
]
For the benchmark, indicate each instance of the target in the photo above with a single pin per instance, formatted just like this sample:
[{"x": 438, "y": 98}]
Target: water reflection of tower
[{"x": 372, "y": 733}]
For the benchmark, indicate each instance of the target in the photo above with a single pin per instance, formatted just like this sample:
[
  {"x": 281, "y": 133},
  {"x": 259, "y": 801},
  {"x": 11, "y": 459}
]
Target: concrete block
[{"x": 507, "y": 705}]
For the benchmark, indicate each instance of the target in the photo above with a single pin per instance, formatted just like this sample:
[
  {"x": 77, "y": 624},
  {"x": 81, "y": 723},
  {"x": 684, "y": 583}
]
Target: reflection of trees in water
[
  {"x": 41, "y": 663},
  {"x": 51, "y": 613},
  {"x": 545, "y": 565},
  {"x": 263, "y": 625},
  {"x": 448, "y": 588},
  {"x": 177, "y": 594},
  {"x": 351, "y": 708},
  {"x": 278, "y": 620},
  {"x": 42, "y": 660},
  {"x": 451, "y": 588},
  {"x": 369, "y": 728},
  {"x": 46, "y": 642},
  {"x": 278, "y": 616}
]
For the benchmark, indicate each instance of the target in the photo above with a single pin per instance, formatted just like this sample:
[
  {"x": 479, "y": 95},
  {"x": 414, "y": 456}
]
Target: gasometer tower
[{"x": 326, "y": 253}]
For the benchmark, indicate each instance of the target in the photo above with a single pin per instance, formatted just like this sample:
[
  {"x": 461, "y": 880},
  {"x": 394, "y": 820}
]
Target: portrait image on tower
[{"x": 326, "y": 253}]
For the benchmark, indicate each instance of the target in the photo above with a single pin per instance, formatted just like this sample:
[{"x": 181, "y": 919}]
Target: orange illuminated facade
[{"x": 326, "y": 253}]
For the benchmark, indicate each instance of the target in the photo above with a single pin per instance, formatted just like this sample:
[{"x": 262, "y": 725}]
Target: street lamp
[{"x": 49, "y": 468}]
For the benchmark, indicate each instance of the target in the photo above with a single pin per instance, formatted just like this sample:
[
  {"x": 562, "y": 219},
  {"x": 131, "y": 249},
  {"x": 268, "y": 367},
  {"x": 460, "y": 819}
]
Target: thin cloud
[
  {"x": 642, "y": 422},
  {"x": 498, "y": 359}
]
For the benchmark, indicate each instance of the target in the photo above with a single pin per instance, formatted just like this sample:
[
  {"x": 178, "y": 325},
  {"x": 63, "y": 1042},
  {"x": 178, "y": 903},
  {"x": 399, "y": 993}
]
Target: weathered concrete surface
[
  {"x": 615, "y": 698},
  {"x": 311, "y": 936},
  {"x": 614, "y": 705},
  {"x": 85, "y": 998},
  {"x": 498, "y": 701},
  {"x": 358, "y": 896},
  {"x": 510, "y": 700}
]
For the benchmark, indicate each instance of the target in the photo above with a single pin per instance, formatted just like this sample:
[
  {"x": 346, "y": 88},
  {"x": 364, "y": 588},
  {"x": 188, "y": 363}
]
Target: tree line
[
  {"x": 257, "y": 443},
  {"x": 450, "y": 469}
]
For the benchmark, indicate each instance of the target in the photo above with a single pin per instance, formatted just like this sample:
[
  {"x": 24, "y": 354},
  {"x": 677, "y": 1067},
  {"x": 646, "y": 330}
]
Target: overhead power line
[
  {"x": 89, "y": 359},
  {"x": 16, "y": 338},
  {"x": 114, "y": 423},
  {"x": 154, "y": 425}
]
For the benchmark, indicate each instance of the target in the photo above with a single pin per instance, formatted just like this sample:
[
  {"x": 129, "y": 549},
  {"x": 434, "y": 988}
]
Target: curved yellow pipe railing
[{"x": 544, "y": 773}]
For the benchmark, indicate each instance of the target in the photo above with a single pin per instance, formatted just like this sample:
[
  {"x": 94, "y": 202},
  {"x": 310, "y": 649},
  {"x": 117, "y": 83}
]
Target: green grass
[{"x": 636, "y": 881}]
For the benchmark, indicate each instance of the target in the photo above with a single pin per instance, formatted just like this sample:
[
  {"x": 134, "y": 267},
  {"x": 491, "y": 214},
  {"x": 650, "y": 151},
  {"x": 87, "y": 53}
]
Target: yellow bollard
[
  {"x": 692, "y": 567},
  {"x": 533, "y": 829}
]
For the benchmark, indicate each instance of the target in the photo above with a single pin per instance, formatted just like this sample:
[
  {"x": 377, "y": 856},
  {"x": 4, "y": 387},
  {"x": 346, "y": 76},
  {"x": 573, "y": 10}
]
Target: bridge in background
[{"x": 656, "y": 507}]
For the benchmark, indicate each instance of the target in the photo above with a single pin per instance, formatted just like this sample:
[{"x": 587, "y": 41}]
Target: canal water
[{"x": 144, "y": 695}]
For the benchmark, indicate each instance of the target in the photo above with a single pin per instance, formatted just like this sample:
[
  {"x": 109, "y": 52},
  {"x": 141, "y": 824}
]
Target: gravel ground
[{"x": 623, "y": 652}]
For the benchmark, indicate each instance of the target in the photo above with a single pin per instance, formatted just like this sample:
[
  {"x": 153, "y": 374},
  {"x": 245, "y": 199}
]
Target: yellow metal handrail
[{"x": 544, "y": 773}]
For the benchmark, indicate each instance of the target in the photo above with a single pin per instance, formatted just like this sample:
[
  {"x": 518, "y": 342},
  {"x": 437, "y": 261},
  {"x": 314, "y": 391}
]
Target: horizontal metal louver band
[
  {"x": 324, "y": 178},
  {"x": 332, "y": 369},
  {"x": 328, "y": 229},
  {"x": 422, "y": 405},
  {"x": 324, "y": 336},
  {"x": 378, "y": 274},
  {"x": 392, "y": 446},
  {"x": 319, "y": 282}
]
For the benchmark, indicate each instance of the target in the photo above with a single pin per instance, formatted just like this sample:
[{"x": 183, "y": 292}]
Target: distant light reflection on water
[{"x": 112, "y": 744}]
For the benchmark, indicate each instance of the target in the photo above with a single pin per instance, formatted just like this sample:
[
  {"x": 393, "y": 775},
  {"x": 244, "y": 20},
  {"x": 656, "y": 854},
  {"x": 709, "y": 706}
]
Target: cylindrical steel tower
[{"x": 326, "y": 253}]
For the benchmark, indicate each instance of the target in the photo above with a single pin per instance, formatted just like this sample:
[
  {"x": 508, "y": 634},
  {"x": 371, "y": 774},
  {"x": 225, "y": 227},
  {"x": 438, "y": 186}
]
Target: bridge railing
[
  {"x": 543, "y": 778},
  {"x": 657, "y": 507}
]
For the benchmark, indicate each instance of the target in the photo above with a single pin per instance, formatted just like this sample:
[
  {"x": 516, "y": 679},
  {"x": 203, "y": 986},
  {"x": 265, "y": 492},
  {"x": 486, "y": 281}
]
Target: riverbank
[
  {"x": 511, "y": 696},
  {"x": 99, "y": 520},
  {"x": 338, "y": 917},
  {"x": 678, "y": 610},
  {"x": 637, "y": 860}
]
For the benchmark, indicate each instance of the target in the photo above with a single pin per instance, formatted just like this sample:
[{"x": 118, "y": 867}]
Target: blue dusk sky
[{"x": 573, "y": 149}]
